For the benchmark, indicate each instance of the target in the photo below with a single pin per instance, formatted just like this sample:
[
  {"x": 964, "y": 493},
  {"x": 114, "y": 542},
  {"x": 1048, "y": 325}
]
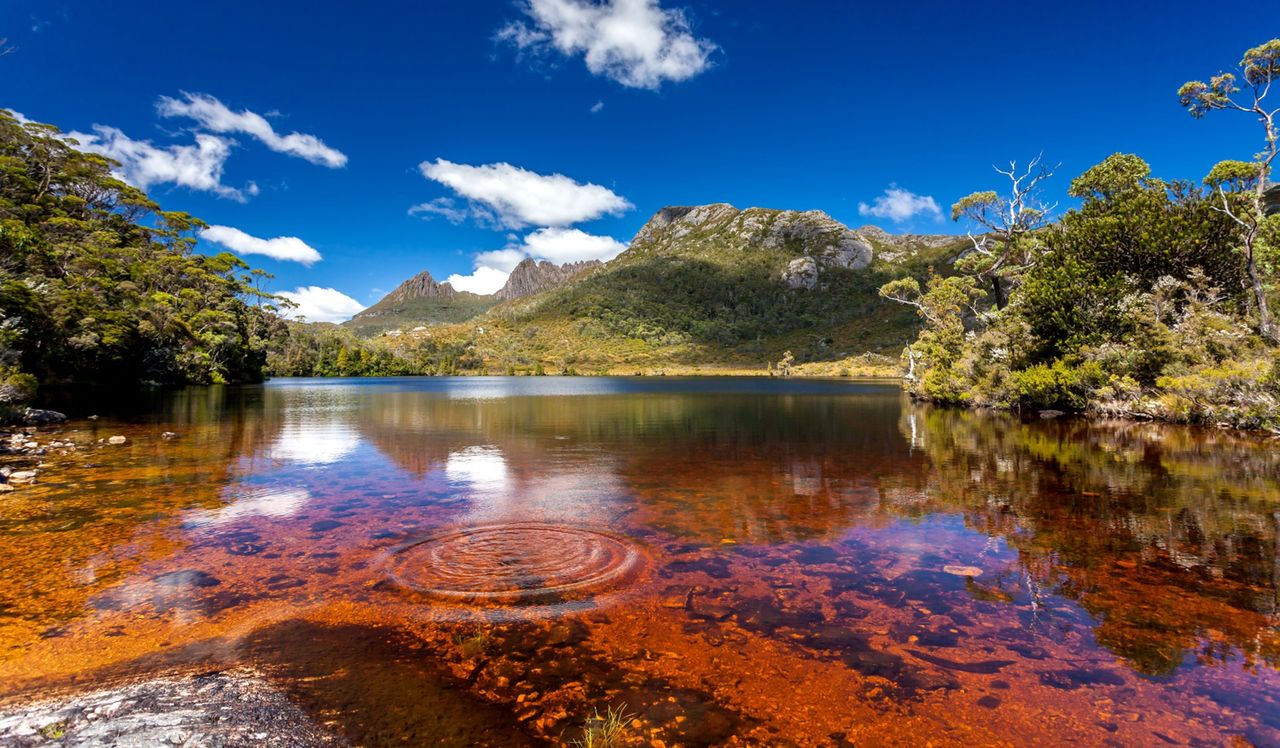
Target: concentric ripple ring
[{"x": 516, "y": 564}]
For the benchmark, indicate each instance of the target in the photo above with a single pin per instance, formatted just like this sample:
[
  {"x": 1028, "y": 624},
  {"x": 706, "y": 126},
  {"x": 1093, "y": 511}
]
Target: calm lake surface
[{"x": 745, "y": 561}]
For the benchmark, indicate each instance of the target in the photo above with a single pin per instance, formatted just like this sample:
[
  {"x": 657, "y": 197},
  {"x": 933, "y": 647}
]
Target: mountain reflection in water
[{"x": 805, "y": 562}]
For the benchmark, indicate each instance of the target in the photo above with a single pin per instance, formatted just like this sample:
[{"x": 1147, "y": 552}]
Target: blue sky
[{"x": 322, "y": 125}]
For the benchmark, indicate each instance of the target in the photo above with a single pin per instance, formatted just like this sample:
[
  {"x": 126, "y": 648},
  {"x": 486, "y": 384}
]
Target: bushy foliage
[
  {"x": 98, "y": 283},
  {"x": 1138, "y": 303}
]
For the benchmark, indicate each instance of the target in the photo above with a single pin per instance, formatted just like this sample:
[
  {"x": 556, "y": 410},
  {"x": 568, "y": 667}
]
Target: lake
[{"x": 493, "y": 560}]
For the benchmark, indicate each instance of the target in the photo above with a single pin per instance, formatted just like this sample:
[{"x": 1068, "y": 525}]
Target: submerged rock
[
  {"x": 22, "y": 476},
  {"x": 117, "y": 440}
]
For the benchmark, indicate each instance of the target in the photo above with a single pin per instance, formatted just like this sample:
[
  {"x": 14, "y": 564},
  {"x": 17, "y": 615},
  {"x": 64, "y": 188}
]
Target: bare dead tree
[
  {"x": 1260, "y": 67},
  {"x": 1002, "y": 252}
]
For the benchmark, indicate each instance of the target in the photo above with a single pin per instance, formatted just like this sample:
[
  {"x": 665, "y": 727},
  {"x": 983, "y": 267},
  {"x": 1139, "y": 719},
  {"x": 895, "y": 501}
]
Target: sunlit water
[{"x": 492, "y": 560}]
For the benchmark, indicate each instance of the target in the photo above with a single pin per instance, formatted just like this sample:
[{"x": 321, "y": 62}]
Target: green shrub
[{"x": 1058, "y": 385}]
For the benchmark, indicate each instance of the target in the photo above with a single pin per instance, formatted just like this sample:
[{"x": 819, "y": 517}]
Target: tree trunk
[
  {"x": 1265, "y": 324},
  {"x": 997, "y": 290}
]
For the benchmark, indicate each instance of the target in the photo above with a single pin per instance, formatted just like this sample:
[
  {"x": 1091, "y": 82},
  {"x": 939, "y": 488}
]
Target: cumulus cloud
[
  {"x": 900, "y": 205},
  {"x": 285, "y": 248},
  {"x": 570, "y": 245},
  {"x": 512, "y": 197},
  {"x": 143, "y": 164},
  {"x": 501, "y": 259},
  {"x": 211, "y": 114},
  {"x": 483, "y": 280},
  {"x": 637, "y": 43},
  {"x": 316, "y": 304},
  {"x": 558, "y": 245}
]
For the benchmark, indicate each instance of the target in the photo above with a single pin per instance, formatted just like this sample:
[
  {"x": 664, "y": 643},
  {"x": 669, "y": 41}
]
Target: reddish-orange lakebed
[{"x": 492, "y": 561}]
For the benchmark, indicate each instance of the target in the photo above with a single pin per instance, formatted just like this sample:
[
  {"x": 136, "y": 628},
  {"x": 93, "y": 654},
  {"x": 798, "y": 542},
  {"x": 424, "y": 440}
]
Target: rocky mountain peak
[
  {"x": 531, "y": 277},
  {"x": 421, "y": 286},
  {"x": 813, "y": 240}
]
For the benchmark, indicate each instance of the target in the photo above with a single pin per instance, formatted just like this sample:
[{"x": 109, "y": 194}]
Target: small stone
[
  {"x": 962, "y": 571},
  {"x": 117, "y": 440},
  {"x": 23, "y": 476},
  {"x": 168, "y": 435},
  {"x": 31, "y": 445},
  {"x": 1050, "y": 413}
]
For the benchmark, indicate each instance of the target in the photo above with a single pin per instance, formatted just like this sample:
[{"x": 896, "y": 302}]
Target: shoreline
[{"x": 238, "y": 706}]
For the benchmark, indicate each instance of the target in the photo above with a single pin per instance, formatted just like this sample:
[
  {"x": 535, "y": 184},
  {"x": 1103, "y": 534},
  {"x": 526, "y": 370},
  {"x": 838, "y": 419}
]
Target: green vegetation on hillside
[
  {"x": 1150, "y": 299},
  {"x": 405, "y": 314},
  {"x": 328, "y": 350},
  {"x": 709, "y": 296}
]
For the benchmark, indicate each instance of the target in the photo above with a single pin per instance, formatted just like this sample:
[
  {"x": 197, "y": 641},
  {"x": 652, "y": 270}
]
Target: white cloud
[
  {"x": 637, "y": 43},
  {"x": 316, "y": 304},
  {"x": 483, "y": 280},
  {"x": 557, "y": 245},
  {"x": 597, "y": 107},
  {"x": 900, "y": 205},
  {"x": 442, "y": 206},
  {"x": 213, "y": 115},
  {"x": 512, "y": 197},
  {"x": 501, "y": 259},
  {"x": 285, "y": 248},
  {"x": 571, "y": 245},
  {"x": 142, "y": 164}
]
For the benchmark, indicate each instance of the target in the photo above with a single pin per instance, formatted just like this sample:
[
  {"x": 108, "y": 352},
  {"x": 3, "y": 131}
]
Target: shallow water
[{"x": 742, "y": 561}]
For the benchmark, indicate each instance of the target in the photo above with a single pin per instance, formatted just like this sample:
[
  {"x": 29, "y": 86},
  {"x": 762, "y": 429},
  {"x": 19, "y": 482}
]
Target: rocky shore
[{"x": 214, "y": 710}]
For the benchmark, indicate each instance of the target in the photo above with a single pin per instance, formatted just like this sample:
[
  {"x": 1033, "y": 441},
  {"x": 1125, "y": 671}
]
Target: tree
[
  {"x": 97, "y": 283},
  {"x": 943, "y": 304},
  {"x": 784, "y": 366},
  {"x": 1259, "y": 67},
  {"x": 1130, "y": 231},
  {"x": 1005, "y": 250}
]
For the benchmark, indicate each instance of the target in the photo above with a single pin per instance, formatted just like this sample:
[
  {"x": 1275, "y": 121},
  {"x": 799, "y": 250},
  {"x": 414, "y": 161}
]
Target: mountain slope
[
  {"x": 422, "y": 301},
  {"x": 531, "y": 277},
  {"x": 419, "y": 301},
  {"x": 714, "y": 286}
]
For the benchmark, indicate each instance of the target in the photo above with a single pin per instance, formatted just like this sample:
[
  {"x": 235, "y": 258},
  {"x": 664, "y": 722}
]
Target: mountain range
[{"x": 707, "y": 286}]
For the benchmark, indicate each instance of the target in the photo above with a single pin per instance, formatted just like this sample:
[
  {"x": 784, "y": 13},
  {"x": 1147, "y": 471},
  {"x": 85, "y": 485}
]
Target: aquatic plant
[
  {"x": 473, "y": 645},
  {"x": 605, "y": 730}
]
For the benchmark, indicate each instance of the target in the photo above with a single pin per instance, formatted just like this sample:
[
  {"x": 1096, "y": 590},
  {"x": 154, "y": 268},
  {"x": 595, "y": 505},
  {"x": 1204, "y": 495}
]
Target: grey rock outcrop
[
  {"x": 801, "y": 273},
  {"x": 531, "y": 277},
  {"x": 38, "y": 417},
  {"x": 816, "y": 241},
  {"x": 421, "y": 286}
]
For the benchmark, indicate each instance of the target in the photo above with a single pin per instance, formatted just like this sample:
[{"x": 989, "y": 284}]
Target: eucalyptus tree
[
  {"x": 1259, "y": 68},
  {"x": 1005, "y": 247}
]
